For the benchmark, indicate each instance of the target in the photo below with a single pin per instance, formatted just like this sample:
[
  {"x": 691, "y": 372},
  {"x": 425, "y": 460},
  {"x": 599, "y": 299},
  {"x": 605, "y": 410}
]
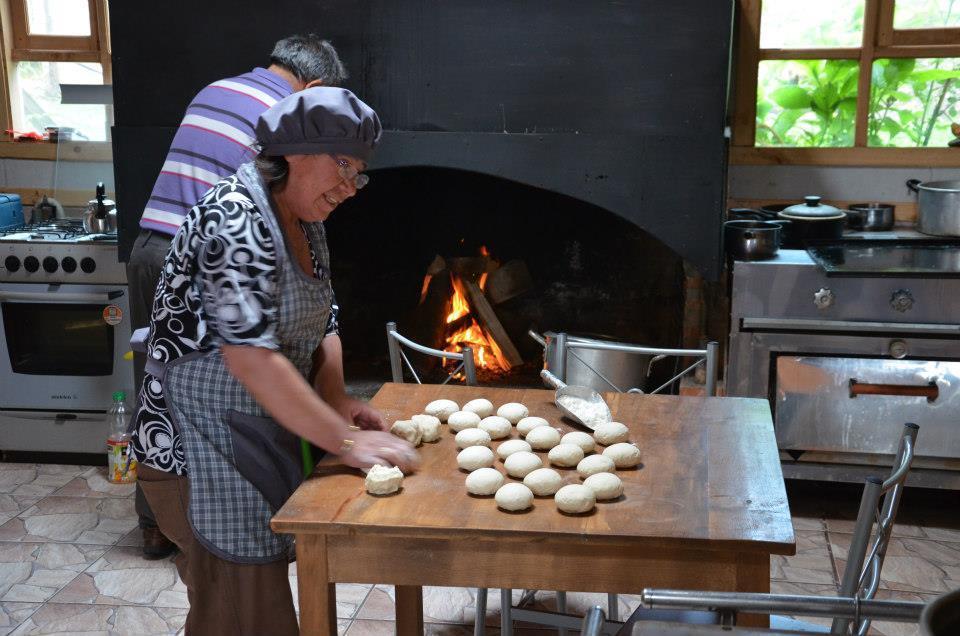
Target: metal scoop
[{"x": 582, "y": 392}]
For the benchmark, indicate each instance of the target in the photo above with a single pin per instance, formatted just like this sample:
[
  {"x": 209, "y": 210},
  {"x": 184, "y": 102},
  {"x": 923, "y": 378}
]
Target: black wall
[{"x": 620, "y": 104}]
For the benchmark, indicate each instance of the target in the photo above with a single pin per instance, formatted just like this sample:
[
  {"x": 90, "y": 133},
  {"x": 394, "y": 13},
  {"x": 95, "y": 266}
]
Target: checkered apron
[{"x": 229, "y": 514}]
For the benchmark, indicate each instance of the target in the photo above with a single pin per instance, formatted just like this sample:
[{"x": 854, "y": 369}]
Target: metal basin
[{"x": 599, "y": 370}]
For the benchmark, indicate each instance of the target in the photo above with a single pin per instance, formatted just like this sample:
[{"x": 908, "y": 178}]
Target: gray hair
[
  {"x": 309, "y": 58},
  {"x": 273, "y": 169}
]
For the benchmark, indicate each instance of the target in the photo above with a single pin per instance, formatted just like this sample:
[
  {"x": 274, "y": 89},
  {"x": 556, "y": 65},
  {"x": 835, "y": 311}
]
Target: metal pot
[
  {"x": 871, "y": 217},
  {"x": 100, "y": 217},
  {"x": 939, "y": 204},
  {"x": 599, "y": 370},
  {"x": 812, "y": 220},
  {"x": 941, "y": 617},
  {"x": 751, "y": 240}
]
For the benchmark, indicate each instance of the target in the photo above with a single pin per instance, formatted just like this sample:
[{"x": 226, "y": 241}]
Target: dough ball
[
  {"x": 581, "y": 439},
  {"x": 382, "y": 480},
  {"x": 604, "y": 486},
  {"x": 498, "y": 427},
  {"x": 473, "y": 457},
  {"x": 527, "y": 424},
  {"x": 566, "y": 455},
  {"x": 441, "y": 409},
  {"x": 462, "y": 420},
  {"x": 595, "y": 464},
  {"x": 611, "y": 433},
  {"x": 429, "y": 426},
  {"x": 482, "y": 407},
  {"x": 513, "y": 411},
  {"x": 575, "y": 499},
  {"x": 408, "y": 430},
  {"x": 472, "y": 437},
  {"x": 543, "y": 437},
  {"x": 514, "y": 496},
  {"x": 509, "y": 447},
  {"x": 484, "y": 481},
  {"x": 623, "y": 455},
  {"x": 543, "y": 482},
  {"x": 522, "y": 463}
]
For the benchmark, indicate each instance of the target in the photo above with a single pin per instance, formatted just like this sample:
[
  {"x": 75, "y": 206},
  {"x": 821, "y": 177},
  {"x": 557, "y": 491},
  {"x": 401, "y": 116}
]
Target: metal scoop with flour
[{"x": 581, "y": 404}]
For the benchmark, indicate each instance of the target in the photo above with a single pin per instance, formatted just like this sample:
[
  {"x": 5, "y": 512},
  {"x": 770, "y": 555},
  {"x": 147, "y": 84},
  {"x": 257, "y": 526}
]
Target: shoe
[{"x": 155, "y": 545}]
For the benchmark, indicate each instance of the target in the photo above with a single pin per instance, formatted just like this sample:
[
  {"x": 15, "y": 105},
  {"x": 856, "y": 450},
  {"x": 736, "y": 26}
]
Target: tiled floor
[{"x": 70, "y": 562}]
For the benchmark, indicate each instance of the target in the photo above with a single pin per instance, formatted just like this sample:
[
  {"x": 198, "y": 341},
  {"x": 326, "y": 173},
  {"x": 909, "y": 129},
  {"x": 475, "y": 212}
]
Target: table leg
[
  {"x": 318, "y": 596},
  {"x": 753, "y": 575},
  {"x": 409, "y": 610},
  {"x": 506, "y": 610}
]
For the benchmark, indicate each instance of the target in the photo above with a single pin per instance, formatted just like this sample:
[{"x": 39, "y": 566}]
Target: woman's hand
[
  {"x": 360, "y": 414},
  {"x": 377, "y": 447}
]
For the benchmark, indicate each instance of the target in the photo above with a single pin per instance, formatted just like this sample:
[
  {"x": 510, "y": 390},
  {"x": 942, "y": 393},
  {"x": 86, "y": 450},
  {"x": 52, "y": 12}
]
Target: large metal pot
[
  {"x": 939, "y": 204},
  {"x": 599, "y": 370},
  {"x": 751, "y": 240},
  {"x": 942, "y": 616}
]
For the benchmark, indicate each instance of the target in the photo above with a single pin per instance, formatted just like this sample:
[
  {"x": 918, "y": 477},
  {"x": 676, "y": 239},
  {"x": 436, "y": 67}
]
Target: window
[
  {"x": 48, "y": 43},
  {"x": 872, "y": 82}
]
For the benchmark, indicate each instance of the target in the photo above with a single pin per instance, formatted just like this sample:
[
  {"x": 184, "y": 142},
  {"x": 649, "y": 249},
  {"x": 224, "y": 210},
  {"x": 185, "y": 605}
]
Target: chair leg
[
  {"x": 480, "y": 620},
  {"x": 613, "y": 607},
  {"x": 562, "y": 608},
  {"x": 506, "y": 618}
]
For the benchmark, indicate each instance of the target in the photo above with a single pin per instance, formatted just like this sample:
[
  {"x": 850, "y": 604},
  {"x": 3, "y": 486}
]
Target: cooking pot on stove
[
  {"x": 100, "y": 217},
  {"x": 871, "y": 217},
  {"x": 748, "y": 240},
  {"x": 809, "y": 220},
  {"x": 939, "y": 206}
]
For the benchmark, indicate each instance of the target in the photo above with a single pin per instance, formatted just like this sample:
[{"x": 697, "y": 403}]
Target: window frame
[
  {"x": 880, "y": 40},
  {"x": 18, "y": 45}
]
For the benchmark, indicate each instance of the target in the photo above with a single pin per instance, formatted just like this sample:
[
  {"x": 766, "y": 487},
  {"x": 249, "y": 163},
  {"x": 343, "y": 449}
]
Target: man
[{"x": 213, "y": 140}]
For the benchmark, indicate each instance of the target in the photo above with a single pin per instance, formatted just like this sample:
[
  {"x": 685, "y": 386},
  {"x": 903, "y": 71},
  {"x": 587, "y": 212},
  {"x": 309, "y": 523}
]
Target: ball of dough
[
  {"x": 581, "y": 439},
  {"x": 474, "y": 457},
  {"x": 429, "y": 426},
  {"x": 498, "y": 427},
  {"x": 543, "y": 482},
  {"x": 543, "y": 437},
  {"x": 611, "y": 433},
  {"x": 408, "y": 430},
  {"x": 514, "y": 496},
  {"x": 566, "y": 455},
  {"x": 623, "y": 455},
  {"x": 441, "y": 409},
  {"x": 482, "y": 407},
  {"x": 575, "y": 499},
  {"x": 527, "y": 424},
  {"x": 595, "y": 464},
  {"x": 604, "y": 486},
  {"x": 462, "y": 420},
  {"x": 511, "y": 446},
  {"x": 382, "y": 480},
  {"x": 472, "y": 437},
  {"x": 484, "y": 481},
  {"x": 522, "y": 463},
  {"x": 513, "y": 411}
]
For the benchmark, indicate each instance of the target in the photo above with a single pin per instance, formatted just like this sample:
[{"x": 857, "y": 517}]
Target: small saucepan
[
  {"x": 746, "y": 240},
  {"x": 871, "y": 217}
]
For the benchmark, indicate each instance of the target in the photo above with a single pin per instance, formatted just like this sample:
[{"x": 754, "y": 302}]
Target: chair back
[{"x": 396, "y": 343}]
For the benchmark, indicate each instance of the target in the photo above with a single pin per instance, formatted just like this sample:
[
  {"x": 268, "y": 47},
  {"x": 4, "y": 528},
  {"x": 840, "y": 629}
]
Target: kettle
[{"x": 100, "y": 217}]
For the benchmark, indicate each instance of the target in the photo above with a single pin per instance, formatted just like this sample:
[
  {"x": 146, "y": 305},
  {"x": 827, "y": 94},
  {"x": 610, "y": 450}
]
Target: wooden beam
[
  {"x": 917, "y": 51},
  {"x": 885, "y": 23},
  {"x": 906, "y": 157},
  {"x": 925, "y": 37},
  {"x": 487, "y": 318},
  {"x": 744, "y": 116},
  {"x": 808, "y": 54},
  {"x": 870, "y": 21}
]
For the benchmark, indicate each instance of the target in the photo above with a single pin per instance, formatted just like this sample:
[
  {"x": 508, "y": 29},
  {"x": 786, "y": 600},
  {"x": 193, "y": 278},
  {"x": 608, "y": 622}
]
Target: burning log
[
  {"x": 509, "y": 281},
  {"x": 486, "y": 317}
]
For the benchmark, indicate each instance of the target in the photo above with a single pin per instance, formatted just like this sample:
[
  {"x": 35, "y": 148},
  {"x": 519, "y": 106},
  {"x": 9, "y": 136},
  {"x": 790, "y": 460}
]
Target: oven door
[
  {"x": 857, "y": 405},
  {"x": 62, "y": 346}
]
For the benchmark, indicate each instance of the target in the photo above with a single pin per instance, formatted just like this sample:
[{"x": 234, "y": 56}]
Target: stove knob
[
  {"x": 823, "y": 298},
  {"x": 12, "y": 263},
  {"x": 898, "y": 349},
  {"x": 69, "y": 264},
  {"x": 31, "y": 264},
  {"x": 902, "y": 300},
  {"x": 87, "y": 264},
  {"x": 50, "y": 264}
]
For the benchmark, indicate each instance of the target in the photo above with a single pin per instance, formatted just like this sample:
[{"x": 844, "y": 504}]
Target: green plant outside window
[
  {"x": 926, "y": 14},
  {"x": 913, "y": 102}
]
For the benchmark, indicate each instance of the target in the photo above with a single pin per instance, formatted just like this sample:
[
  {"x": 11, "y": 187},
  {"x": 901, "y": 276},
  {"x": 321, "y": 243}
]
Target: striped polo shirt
[{"x": 215, "y": 138}]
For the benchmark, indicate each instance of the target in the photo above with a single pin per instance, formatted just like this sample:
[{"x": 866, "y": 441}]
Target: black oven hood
[{"x": 618, "y": 104}]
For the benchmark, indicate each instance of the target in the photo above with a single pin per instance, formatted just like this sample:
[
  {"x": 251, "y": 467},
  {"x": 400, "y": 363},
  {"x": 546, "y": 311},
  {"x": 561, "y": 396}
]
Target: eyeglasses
[{"x": 349, "y": 173}]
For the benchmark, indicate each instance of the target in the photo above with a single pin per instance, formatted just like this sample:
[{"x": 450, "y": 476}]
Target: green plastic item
[
  {"x": 119, "y": 396},
  {"x": 306, "y": 455}
]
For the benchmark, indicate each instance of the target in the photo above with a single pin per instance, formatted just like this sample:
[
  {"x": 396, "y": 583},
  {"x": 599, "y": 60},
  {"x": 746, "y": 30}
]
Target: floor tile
[
  {"x": 133, "y": 538},
  {"x": 364, "y": 627},
  {"x": 34, "y": 572},
  {"x": 811, "y": 563},
  {"x": 13, "y": 614},
  {"x": 73, "y": 520},
  {"x": 899, "y": 629},
  {"x": 790, "y": 587},
  {"x": 35, "y": 480},
  {"x": 101, "y": 619},
  {"x": 911, "y": 565},
  {"x": 350, "y": 597},
  {"x": 807, "y": 523},
  {"x": 93, "y": 483},
  {"x": 123, "y": 576}
]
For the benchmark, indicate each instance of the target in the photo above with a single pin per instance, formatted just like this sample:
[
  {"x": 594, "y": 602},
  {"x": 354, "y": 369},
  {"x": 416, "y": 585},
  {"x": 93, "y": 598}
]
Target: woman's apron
[{"x": 243, "y": 465}]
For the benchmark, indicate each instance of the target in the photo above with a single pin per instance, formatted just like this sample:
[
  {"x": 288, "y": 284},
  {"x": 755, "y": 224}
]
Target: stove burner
[{"x": 53, "y": 230}]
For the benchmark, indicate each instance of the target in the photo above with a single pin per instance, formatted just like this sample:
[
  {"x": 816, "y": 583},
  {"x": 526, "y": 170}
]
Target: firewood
[
  {"x": 486, "y": 317},
  {"x": 509, "y": 281}
]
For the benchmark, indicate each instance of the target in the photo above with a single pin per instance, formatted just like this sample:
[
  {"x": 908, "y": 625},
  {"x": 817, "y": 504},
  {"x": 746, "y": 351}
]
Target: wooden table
[{"x": 704, "y": 511}]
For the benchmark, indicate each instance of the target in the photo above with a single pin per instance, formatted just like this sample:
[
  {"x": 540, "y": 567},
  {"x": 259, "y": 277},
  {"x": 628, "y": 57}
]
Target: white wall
[{"x": 55, "y": 176}]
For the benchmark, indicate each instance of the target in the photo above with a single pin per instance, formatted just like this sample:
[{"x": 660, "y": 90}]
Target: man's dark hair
[{"x": 309, "y": 58}]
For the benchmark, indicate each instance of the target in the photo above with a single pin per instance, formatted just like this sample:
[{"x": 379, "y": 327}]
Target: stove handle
[
  {"x": 56, "y": 297},
  {"x": 930, "y": 391}
]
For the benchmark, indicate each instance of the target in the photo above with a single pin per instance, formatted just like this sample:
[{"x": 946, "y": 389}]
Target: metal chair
[
  {"x": 396, "y": 342},
  {"x": 854, "y": 608}
]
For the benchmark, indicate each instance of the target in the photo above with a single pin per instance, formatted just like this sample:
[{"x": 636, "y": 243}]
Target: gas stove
[{"x": 58, "y": 251}]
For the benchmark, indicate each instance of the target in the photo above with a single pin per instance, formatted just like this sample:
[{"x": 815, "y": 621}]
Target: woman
[{"x": 244, "y": 315}]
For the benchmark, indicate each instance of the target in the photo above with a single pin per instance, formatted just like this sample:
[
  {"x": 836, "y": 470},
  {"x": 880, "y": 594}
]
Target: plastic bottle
[{"x": 121, "y": 465}]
